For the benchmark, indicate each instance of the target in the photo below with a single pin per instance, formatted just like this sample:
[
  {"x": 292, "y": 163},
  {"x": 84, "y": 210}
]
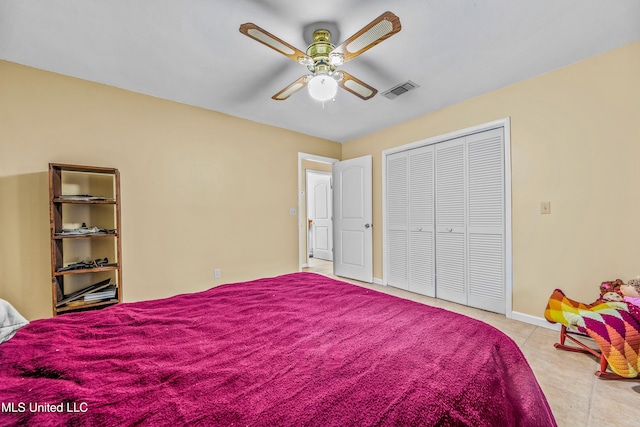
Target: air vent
[{"x": 398, "y": 90}]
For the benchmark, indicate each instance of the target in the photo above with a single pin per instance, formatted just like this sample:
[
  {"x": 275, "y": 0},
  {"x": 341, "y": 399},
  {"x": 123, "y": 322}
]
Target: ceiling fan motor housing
[{"x": 319, "y": 50}]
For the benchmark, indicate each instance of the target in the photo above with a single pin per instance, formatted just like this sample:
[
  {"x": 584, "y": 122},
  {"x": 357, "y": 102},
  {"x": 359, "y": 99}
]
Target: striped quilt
[{"x": 614, "y": 326}]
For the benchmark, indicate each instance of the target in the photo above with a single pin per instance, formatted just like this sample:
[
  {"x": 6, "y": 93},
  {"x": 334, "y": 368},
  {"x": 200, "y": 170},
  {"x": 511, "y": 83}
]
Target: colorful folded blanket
[{"x": 614, "y": 326}]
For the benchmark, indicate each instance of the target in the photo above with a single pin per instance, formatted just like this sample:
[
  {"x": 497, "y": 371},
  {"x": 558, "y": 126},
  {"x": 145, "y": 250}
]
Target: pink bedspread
[{"x": 295, "y": 350}]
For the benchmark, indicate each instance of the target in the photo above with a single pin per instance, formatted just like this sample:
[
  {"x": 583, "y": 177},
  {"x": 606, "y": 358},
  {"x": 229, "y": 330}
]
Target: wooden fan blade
[
  {"x": 268, "y": 39},
  {"x": 291, "y": 89},
  {"x": 357, "y": 86},
  {"x": 381, "y": 28}
]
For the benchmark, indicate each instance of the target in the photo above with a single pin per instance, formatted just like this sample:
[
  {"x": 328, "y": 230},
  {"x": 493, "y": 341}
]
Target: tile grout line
[
  {"x": 593, "y": 387},
  {"x": 530, "y": 335}
]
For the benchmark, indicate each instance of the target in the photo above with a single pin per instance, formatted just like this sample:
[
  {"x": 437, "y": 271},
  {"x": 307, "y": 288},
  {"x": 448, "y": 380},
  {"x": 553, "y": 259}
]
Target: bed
[{"x": 300, "y": 349}]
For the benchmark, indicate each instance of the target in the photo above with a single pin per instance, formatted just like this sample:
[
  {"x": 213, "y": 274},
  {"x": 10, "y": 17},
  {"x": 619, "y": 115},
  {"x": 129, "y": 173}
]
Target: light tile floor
[{"x": 577, "y": 397}]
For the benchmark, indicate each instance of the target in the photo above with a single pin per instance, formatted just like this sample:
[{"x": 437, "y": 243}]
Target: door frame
[
  {"x": 302, "y": 220},
  {"x": 504, "y": 123}
]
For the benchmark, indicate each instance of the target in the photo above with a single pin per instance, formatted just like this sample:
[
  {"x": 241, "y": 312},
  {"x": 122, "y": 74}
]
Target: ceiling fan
[{"x": 322, "y": 58}]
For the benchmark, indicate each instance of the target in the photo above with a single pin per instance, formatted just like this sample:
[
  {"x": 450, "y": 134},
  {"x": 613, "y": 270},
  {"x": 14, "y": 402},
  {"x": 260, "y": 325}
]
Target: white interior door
[
  {"x": 421, "y": 272},
  {"x": 470, "y": 220},
  {"x": 410, "y": 220},
  {"x": 450, "y": 220},
  {"x": 397, "y": 202},
  {"x": 486, "y": 220},
  {"x": 353, "y": 234},
  {"x": 319, "y": 210}
]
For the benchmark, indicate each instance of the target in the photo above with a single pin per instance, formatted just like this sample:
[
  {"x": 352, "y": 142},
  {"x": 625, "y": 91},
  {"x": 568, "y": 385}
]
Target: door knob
[
  {"x": 419, "y": 228},
  {"x": 367, "y": 225},
  {"x": 449, "y": 229}
]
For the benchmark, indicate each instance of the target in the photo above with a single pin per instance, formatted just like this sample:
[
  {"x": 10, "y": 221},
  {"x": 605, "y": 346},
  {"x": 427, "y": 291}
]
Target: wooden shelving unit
[{"x": 84, "y": 210}]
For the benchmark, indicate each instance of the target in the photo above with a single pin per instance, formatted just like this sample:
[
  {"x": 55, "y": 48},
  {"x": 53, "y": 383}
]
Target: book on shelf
[
  {"x": 107, "y": 293},
  {"x": 82, "y": 292}
]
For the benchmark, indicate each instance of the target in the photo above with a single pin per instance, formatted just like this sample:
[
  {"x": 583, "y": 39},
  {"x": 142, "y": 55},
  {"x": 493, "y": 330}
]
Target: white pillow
[{"x": 10, "y": 321}]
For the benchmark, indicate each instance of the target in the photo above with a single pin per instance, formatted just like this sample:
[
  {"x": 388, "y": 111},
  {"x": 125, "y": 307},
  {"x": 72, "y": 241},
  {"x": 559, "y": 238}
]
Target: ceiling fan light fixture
[
  {"x": 305, "y": 60},
  {"x": 322, "y": 87},
  {"x": 336, "y": 59}
]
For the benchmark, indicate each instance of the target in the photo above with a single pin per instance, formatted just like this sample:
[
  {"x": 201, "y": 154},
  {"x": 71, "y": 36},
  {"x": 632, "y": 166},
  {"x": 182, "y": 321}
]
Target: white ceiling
[{"x": 191, "y": 51}]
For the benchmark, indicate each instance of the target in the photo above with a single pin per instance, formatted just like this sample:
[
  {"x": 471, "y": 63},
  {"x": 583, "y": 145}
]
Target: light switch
[{"x": 545, "y": 207}]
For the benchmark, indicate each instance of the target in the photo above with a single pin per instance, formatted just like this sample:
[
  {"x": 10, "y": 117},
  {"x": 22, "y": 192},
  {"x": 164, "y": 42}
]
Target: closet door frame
[{"x": 505, "y": 124}]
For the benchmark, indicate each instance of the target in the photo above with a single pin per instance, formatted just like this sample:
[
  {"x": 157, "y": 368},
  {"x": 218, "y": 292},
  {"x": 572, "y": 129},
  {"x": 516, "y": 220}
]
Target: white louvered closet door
[
  {"x": 485, "y": 221},
  {"x": 450, "y": 221},
  {"x": 445, "y": 213},
  {"x": 396, "y": 207},
  {"x": 421, "y": 268}
]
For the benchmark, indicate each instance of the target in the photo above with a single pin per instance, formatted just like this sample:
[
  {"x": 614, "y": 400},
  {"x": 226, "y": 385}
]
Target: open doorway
[
  {"x": 351, "y": 216},
  {"x": 315, "y": 213},
  {"x": 319, "y": 192},
  {"x": 319, "y": 215}
]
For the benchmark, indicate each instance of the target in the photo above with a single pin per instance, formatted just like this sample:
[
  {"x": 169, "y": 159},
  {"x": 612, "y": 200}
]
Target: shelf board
[
  {"x": 85, "y": 169},
  {"x": 86, "y": 305},
  {"x": 84, "y": 236},
  {"x": 86, "y": 202},
  {"x": 110, "y": 267}
]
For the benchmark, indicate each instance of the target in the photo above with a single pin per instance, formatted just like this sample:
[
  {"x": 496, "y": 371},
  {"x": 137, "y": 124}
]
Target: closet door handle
[
  {"x": 449, "y": 229},
  {"x": 367, "y": 225},
  {"x": 419, "y": 228}
]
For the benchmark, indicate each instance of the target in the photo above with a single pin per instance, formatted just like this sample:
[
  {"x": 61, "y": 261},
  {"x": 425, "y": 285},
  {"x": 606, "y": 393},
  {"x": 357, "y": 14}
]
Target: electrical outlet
[
  {"x": 545, "y": 207},
  {"x": 216, "y": 273}
]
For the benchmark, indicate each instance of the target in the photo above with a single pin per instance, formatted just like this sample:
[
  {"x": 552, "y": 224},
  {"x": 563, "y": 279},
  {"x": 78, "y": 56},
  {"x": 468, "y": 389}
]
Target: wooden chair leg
[{"x": 583, "y": 348}]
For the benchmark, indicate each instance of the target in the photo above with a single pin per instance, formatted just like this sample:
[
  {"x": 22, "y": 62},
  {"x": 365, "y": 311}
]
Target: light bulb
[
  {"x": 322, "y": 87},
  {"x": 336, "y": 59}
]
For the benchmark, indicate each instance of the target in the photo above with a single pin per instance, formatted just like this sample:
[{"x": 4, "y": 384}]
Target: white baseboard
[{"x": 534, "y": 320}]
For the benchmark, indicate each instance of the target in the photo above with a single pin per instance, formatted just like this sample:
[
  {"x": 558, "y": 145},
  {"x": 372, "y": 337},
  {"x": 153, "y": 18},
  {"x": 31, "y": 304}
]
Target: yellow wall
[
  {"x": 194, "y": 197},
  {"x": 200, "y": 190},
  {"x": 575, "y": 141}
]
